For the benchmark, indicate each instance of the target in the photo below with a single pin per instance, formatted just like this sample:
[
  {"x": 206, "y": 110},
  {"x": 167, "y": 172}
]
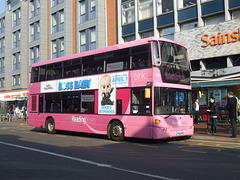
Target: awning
[
  {"x": 215, "y": 84},
  {"x": 14, "y": 99}
]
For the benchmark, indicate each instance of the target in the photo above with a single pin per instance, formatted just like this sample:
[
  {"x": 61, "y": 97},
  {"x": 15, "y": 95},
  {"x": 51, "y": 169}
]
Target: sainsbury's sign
[{"x": 220, "y": 38}]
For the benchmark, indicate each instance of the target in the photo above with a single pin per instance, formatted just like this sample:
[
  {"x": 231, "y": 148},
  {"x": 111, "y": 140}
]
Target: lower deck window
[
  {"x": 70, "y": 102},
  {"x": 140, "y": 104}
]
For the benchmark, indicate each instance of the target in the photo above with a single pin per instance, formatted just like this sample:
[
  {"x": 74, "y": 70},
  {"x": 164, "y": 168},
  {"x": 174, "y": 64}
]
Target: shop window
[
  {"x": 216, "y": 63},
  {"x": 220, "y": 96},
  {"x": 235, "y": 60},
  {"x": 202, "y": 96},
  {"x": 195, "y": 65}
]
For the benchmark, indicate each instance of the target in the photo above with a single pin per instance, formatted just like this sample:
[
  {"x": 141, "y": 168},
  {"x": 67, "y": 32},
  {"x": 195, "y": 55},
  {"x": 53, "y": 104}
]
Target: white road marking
[{"x": 86, "y": 161}]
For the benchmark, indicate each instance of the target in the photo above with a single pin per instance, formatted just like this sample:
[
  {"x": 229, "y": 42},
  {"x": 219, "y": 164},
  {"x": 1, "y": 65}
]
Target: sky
[{"x": 2, "y": 6}]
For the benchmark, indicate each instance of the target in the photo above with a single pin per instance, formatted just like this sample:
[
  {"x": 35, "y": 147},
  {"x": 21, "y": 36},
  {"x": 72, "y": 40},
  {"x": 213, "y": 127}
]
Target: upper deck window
[
  {"x": 138, "y": 57},
  {"x": 174, "y": 55},
  {"x": 174, "y": 63},
  {"x": 141, "y": 57},
  {"x": 35, "y": 72}
]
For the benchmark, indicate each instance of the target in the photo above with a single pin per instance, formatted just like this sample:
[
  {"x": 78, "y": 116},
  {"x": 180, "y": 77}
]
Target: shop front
[
  {"x": 214, "y": 52},
  {"x": 203, "y": 92},
  {"x": 13, "y": 105}
]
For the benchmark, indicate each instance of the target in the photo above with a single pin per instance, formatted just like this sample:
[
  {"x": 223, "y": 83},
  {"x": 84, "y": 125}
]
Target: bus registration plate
[{"x": 180, "y": 133}]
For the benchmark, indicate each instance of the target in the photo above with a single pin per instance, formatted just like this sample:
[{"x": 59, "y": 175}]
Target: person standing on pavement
[
  {"x": 196, "y": 111},
  {"x": 212, "y": 109},
  {"x": 232, "y": 113}
]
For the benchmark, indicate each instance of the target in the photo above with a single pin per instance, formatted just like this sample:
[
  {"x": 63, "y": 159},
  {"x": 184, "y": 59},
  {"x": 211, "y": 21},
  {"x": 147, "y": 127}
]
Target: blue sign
[
  {"x": 82, "y": 84},
  {"x": 74, "y": 85}
]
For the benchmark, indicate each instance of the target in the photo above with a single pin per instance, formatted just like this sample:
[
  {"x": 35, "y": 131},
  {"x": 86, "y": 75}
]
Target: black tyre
[
  {"x": 117, "y": 131},
  {"x": 50, "y": 126}
]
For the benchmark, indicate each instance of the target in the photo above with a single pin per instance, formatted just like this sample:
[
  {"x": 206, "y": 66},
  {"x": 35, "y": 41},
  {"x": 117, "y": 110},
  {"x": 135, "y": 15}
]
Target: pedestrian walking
[
  {"x": 17, "y": 112},
  {"x": 196, "y": 111},
  {"x": 212, "y": 109},
  {"x": 232, "y": 113}
]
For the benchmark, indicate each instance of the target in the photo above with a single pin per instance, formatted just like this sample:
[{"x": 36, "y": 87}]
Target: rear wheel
[
  {"x": 116, "y": 131},
  {"x": 50, "y": 126}
]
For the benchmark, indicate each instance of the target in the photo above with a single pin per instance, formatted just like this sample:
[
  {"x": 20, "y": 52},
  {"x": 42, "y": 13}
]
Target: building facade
[
  {"x": 37, "y": 30},
  {"x": 209, "y": 28}
]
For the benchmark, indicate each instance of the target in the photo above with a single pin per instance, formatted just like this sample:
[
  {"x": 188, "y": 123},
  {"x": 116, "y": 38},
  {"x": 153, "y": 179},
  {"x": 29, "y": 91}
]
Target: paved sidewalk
[{"x": 223, "y": 132}]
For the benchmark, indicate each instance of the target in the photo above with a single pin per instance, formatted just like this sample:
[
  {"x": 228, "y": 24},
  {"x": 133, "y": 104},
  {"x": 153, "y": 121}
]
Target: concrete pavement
[{"x": 224, "y": 132}]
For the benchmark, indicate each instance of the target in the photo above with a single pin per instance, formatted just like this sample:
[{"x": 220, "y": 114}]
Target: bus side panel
[
  {"x": 140, "y": 77},
  {"x": 32, "y": 120},
  {"x": 124, "y": 95},
  {"x": 134, "y": 126},
  {"x": 138, "y": 126},
  {"x": 33, "y": 111},
  {"x": 82, "y": 123}
]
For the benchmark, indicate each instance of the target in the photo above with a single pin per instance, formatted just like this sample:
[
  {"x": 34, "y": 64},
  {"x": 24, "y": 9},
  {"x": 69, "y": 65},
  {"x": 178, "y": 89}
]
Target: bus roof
[{"x": 103, "y": 50}]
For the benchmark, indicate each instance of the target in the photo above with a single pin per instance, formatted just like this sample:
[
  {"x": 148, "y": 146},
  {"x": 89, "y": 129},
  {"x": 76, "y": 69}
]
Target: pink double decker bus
[{"x": 139, "y": 89}]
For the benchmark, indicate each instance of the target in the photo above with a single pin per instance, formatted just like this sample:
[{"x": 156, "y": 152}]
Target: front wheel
[
  {"x": 50, "y": 126},
  {"x": 116, "y": 131}
]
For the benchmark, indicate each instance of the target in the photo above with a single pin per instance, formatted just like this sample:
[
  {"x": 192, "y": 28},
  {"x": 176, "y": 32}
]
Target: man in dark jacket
[
  {"x": 231, "y": 106},
  {"x": 212, "y": 109}
]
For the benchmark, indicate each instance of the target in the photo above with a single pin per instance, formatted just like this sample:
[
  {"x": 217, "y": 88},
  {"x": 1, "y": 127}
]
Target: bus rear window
[{"x": 35, "y": 72}]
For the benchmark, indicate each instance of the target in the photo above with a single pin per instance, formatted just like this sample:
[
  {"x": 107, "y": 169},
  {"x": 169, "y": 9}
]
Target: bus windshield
[
  {"x": 174, "y": 63},
  {"x": 172, "y": 101}
]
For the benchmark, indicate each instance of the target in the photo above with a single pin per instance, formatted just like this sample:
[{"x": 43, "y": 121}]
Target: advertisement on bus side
[
  {"x": 83, "y": 83},
  {"x": 107, "y": 94}
]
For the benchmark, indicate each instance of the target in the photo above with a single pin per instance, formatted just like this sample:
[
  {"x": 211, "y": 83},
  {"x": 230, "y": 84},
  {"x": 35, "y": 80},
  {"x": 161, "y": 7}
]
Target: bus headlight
[{"x": 157, "y": 121}]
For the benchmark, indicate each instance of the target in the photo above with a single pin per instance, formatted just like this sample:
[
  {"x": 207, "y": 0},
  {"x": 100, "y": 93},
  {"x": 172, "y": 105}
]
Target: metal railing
[{"x": 11, "y": 118}]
